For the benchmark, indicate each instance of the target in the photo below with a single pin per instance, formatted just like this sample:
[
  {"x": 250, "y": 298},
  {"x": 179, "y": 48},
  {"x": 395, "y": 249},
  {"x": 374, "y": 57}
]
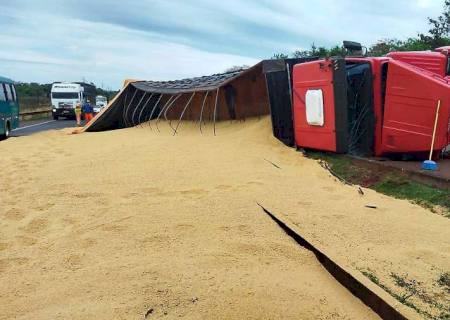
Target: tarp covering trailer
[{"x": 234, "y": 95}]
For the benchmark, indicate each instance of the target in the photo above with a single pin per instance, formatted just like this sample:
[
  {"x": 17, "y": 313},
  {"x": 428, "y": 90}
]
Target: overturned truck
[
  {"x": 373, "y": 106},
  {"x": 351, "y": 104}
]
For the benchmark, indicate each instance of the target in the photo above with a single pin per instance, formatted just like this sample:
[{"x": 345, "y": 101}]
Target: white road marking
[{"x": 34, "y": 125}]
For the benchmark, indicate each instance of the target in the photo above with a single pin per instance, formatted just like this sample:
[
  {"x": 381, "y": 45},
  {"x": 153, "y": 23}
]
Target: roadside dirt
[{"x": 116, "y": 225}]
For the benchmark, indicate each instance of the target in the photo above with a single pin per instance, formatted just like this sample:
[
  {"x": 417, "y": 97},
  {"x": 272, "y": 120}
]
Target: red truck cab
[{"x": 372, "y": 106}]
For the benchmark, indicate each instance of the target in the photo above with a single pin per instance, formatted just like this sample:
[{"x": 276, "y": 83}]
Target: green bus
[{"x": 9, "y": 108}]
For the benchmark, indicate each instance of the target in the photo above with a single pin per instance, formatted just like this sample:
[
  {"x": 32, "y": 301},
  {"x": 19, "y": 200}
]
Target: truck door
[
  {"x": 3, "y": 109},
  {"x": 9, "y": 102},
  {"x": 14, "y": 107},
  {"x": 412, "y": 95},
  {"x": 320, "y": 105}
]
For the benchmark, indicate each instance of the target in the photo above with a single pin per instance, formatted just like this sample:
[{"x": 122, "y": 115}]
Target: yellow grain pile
[{"x": 115, "y": 225}]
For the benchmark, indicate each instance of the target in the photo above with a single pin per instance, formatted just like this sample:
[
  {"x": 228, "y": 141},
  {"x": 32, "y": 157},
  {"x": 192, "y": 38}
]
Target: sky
[{"x": 107, "y": 41}]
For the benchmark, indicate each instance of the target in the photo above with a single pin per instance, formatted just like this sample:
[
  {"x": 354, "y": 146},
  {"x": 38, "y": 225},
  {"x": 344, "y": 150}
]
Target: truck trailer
[{"x": 372, "y": 106}]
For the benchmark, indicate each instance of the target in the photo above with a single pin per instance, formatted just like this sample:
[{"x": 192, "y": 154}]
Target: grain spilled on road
[{"x": 128, "y": 223}]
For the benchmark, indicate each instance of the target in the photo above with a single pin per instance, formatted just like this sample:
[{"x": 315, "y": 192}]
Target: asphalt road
[{"x": 33, "y": 126}]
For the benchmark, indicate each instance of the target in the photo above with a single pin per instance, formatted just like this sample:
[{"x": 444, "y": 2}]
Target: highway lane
[{"x": 29, "y": 127}]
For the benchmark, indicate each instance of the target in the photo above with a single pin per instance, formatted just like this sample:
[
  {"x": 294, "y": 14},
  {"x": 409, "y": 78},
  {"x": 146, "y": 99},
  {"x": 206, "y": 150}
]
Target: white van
[{"x": 100, "y": 103}]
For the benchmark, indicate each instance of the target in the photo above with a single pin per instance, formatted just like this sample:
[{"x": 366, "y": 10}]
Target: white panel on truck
[{"x": 314, "y": 107}]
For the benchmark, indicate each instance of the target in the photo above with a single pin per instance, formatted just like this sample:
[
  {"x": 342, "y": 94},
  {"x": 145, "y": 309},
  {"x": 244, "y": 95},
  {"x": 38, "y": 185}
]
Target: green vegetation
[
  {"x": 426, "y": 196},
  {"x": 401, "y": 298},
  {"x": 391, "y": 182},
  {"x": 411, "y": 289},
  {"x": 109, "y": 94},
  {"x": 33, "y": 89},
  {"x": 444, "y": 281},
  {"x": 438, "y": 35}
]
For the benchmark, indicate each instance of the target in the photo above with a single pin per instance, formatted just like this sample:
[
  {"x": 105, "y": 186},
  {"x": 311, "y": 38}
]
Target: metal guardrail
[
  {"x": 30, "y": 114},
  {"x": 35, "y": 111}
]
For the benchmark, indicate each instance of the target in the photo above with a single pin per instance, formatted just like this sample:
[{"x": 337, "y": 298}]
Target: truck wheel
[
  {"x": 7, "y": 131},
  {"x": 55, "y": 117}
]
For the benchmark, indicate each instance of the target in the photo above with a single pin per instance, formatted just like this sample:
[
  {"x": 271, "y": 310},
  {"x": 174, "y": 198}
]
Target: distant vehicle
[
  {"x": 65, "y": 96},
  {"x": 9, "y": 108},
  {"x": 100, "y": 103}
]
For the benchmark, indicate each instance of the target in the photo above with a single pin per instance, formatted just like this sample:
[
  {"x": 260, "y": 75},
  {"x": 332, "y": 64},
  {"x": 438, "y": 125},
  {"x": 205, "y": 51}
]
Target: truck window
[
  {"x": 2, "y": 93},
  {"x": 13, "y": 90},
  {"x": 384, "y": 73},
  {"x": 8, "y": 92},
  {"x": 65, "y": 95},
  {"x": 448, "y": 65}
]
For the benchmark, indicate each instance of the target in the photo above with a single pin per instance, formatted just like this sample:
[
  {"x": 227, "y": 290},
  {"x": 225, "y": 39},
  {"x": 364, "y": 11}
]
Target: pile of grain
[{"x": 115, "y": 225}]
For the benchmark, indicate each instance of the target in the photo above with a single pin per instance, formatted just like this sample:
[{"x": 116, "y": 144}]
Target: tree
[
  {"x": 33, "y": 89},
  {"x": 384, "y": 46},
  {"x": 335, "y": 51},
  {"x": 313, "y": 51},
  {"x": 301, "y": 54},
  {"x": 414, "y": 44},
  {"x": 280, "y": 56},
  {"x": 320, "y": 52},
  {"x": 109, "y": 94},
  {"x": 439, "y": 33}
]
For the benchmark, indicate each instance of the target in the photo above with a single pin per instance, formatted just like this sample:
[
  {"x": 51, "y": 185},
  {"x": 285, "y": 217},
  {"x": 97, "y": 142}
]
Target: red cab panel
[
  {"x": 435, "y": 62},
  {"x": 412, "y": 95},
  {"x": 324, "y": 78}
]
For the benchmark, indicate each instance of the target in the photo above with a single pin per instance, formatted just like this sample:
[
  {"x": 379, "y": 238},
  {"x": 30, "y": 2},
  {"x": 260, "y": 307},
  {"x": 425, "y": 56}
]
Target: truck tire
[
  {"x": 55, "y": 117},
  {"x": 7, "y": 131}
]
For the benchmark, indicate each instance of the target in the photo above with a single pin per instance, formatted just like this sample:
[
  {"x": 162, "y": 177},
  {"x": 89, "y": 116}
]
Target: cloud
[
  {"x": 104, "y": 53},
  {"x": 105, "y": 41},
  {"x": 424, "y": 3}
]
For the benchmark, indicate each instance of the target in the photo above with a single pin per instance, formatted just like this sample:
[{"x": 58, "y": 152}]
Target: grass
[
  {"x": 401, "y": 298},
  {"x": 421, "y": 194},
  {"x": 444, "y": 281},
  {"x": 390, "y": 182},
  {"x": 411, "y": 288}
]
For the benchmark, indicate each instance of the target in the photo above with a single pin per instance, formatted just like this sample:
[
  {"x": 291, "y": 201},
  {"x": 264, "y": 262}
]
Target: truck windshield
[{"x": 65, "y": 95}]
